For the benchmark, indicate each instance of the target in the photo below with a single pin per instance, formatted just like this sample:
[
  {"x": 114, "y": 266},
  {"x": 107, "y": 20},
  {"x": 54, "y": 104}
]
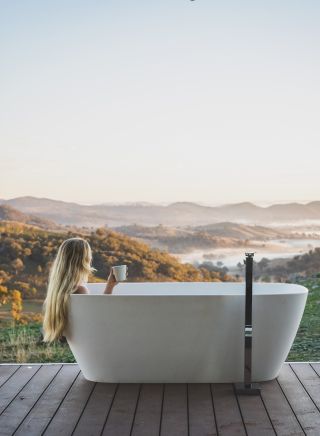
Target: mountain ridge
[
  {"x": 175, "y": 214},
  {"x": 9, "y": 213}
]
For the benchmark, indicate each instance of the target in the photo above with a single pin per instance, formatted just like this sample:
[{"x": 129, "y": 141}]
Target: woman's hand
[{"x": 111, "y": 282}]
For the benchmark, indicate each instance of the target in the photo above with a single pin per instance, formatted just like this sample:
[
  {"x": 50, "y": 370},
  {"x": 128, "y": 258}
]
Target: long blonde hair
[{"x": 71, "y": 266}]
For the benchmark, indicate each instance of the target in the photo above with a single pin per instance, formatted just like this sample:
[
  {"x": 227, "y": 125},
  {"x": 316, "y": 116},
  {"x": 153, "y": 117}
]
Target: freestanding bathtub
[{"x": 182, "y": 332}]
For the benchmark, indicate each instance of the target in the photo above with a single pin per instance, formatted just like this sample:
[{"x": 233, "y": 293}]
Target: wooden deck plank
[
  {"x": 148, "y": 414},
  {"x": 70, "y": 410},
  {"x": 316, "y": 367},
  {"x": 228, "y": 416},
  {"x": 55, "y": 400},
  {"x": 254, "y": 415},
  {"x": 120, "y": 419},
  {"x": 200, "y": 410},
  {"x": 13, "y": 386},
  {"x": 14, "y": 414},
  {"x": 302, "y": 405},
  {"x": 43, "y": 411},
  {"x": 174, "y": 421},
  {"x": 6, "y": 371},
  {"x": 96, "y": 411},
  {"x": 310, "y": 380},
  {"x": 283, "y": 419}
]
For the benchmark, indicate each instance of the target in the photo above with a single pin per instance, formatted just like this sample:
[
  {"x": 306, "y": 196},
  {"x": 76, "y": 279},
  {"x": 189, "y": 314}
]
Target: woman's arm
[{"x": 110, "y": 283}]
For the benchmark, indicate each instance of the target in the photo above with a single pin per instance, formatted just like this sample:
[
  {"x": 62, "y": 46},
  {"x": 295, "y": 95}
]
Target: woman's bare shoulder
[{"x": 81, "y": 290}]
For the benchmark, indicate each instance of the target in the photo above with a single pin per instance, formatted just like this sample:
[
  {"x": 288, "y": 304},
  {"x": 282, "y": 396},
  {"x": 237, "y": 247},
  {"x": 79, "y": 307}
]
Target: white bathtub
[{"x": 182, "y": 332}]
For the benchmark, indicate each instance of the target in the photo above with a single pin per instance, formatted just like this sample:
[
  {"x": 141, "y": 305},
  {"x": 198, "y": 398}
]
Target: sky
[{"x": 160, "y": 100}]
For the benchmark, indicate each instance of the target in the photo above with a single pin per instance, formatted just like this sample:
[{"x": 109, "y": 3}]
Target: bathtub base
[
  {"x": 248, "y": 389},
  {"x": 169, "y": 380}
]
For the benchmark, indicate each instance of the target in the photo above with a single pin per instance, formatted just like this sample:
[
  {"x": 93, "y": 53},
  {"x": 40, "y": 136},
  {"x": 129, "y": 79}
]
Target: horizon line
[{"x": 258, "y": 203}]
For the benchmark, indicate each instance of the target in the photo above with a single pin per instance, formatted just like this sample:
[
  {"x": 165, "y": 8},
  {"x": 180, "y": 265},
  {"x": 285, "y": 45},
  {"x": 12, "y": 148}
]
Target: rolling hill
[
  {"x": 307, "y": 264},
  {"x": 242, "y": 231},
  {"x": 8, "y": 213},
  {"x": 26, "y": 253},
  {"x": 181, "y": 240}
]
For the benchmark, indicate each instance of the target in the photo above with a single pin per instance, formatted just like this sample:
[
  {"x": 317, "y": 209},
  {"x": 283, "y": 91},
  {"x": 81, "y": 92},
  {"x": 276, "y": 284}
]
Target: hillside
[
  {"x": 305, "y": 265},
  {"x": 152, "y": 232},
  {"x": 242, "y": 231},
  {"x": 224, "y": 230},
  {"x": 183, "y": 240},
  {"x": 176, "y": 214},
  {"x": 26, "y": 253},
  {"x": 9, "y": 213},
  {"x": 220, "y": 235}
]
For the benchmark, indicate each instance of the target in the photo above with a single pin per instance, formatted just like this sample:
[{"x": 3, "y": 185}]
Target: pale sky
[{"x": 160, "y": 100}]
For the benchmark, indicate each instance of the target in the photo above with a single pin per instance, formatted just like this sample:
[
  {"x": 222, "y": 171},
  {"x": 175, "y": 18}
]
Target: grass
[
  {"x": 23, "y": 343},
  {"x": 29, "y": 306},
  {"x": 306, "y": 346}
]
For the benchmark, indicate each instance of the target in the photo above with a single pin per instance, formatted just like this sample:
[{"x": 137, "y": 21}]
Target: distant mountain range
[{"x": 175, "y": 214}]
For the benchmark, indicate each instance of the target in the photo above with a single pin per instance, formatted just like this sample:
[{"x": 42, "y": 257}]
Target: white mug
[{"x": 120, "y": 272}]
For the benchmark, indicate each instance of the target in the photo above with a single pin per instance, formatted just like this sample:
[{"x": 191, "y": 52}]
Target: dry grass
[{"x": 23, "y": 344}]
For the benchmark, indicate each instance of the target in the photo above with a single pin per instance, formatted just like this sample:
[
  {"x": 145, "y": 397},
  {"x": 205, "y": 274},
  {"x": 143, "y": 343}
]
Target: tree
[
  {"x": 18, "y": 265},
  {"x": 101, "y": 232},
  {"x": 27, "y": 251},
  {"x": 3, "y": 295},
  {"x": 240, "y": 266},
  {"x": 264, "y": 262},
  {"x": 16, "y": 305}
]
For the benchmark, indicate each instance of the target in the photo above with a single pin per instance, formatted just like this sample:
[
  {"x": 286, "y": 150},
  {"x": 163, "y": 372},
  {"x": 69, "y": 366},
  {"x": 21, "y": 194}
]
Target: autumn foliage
[
  {"x": 16, "y": 305},
  {"x": 27, "y": 252}
]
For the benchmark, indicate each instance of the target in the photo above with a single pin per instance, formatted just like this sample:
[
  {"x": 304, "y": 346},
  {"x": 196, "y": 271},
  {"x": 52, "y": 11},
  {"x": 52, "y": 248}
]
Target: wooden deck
[{"x": 57, "y": 400}]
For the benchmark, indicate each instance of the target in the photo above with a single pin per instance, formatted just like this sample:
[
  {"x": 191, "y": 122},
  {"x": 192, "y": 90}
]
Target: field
[
  {"x": 306, "y": 346},
  {"x": 23, "y": 343}
]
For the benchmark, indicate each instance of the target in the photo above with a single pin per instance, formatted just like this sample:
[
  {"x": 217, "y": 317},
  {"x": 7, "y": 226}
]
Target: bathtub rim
[{"x": 259, "y": 289}]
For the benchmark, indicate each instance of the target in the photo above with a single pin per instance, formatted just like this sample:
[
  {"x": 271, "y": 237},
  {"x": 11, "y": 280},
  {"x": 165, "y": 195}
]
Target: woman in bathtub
[{"x": 69, "y": 274}]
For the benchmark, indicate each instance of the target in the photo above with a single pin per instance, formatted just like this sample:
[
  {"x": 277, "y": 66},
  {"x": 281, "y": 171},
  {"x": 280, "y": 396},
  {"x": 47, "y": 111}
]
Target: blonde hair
[{"x": 71, "y": 266}]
